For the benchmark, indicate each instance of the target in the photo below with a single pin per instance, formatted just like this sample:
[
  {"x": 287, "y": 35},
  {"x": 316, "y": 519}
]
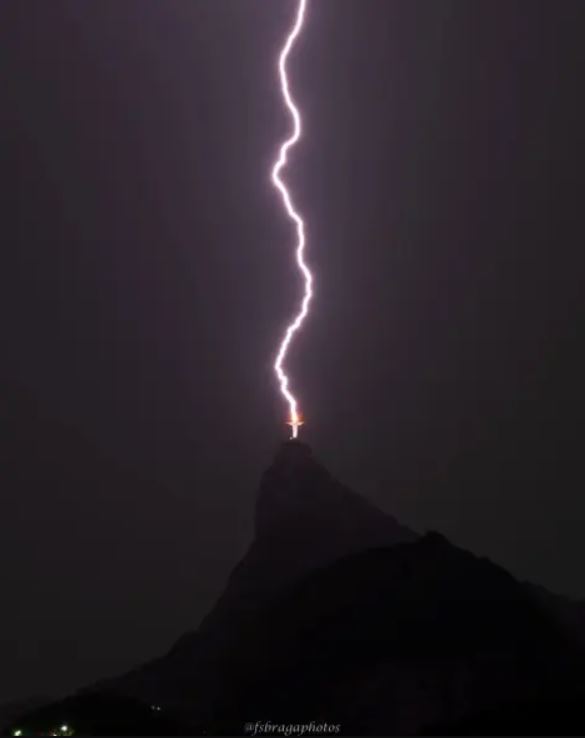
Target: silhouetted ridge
[
  {"x": 338, "y": 613},
  {"x": 389, "y": 641},
  {"x": 298, "y": 495},
  {"x": 286, "y": 484},
  {"x": 304, "y": 520}
]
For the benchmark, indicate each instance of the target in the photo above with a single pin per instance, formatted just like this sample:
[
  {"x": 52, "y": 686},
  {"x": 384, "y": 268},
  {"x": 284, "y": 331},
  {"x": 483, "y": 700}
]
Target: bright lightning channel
[{"x": 295, "y": 418}]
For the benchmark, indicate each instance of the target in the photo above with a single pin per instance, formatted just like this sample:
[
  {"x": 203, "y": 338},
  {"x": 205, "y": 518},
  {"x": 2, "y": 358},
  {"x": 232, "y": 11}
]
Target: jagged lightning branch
[{"x": 295, "y": 419}]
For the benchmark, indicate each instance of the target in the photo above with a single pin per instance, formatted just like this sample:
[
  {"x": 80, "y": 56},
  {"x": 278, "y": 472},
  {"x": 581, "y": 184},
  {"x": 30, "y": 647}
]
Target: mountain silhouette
[
  {"x": 337, "y": 613},
  {"x": 304, "y": 519}
]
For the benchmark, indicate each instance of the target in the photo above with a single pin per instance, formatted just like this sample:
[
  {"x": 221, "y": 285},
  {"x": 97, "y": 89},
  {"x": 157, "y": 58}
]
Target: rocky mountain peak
[{"x": 299, "y": 498}]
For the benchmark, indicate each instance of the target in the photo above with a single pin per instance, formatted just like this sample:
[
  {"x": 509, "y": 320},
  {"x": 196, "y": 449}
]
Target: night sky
[{"x": 147, "y": 275}]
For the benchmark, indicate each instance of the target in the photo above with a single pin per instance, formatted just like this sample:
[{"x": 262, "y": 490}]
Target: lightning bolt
[{"x": 295, "y": 419}]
